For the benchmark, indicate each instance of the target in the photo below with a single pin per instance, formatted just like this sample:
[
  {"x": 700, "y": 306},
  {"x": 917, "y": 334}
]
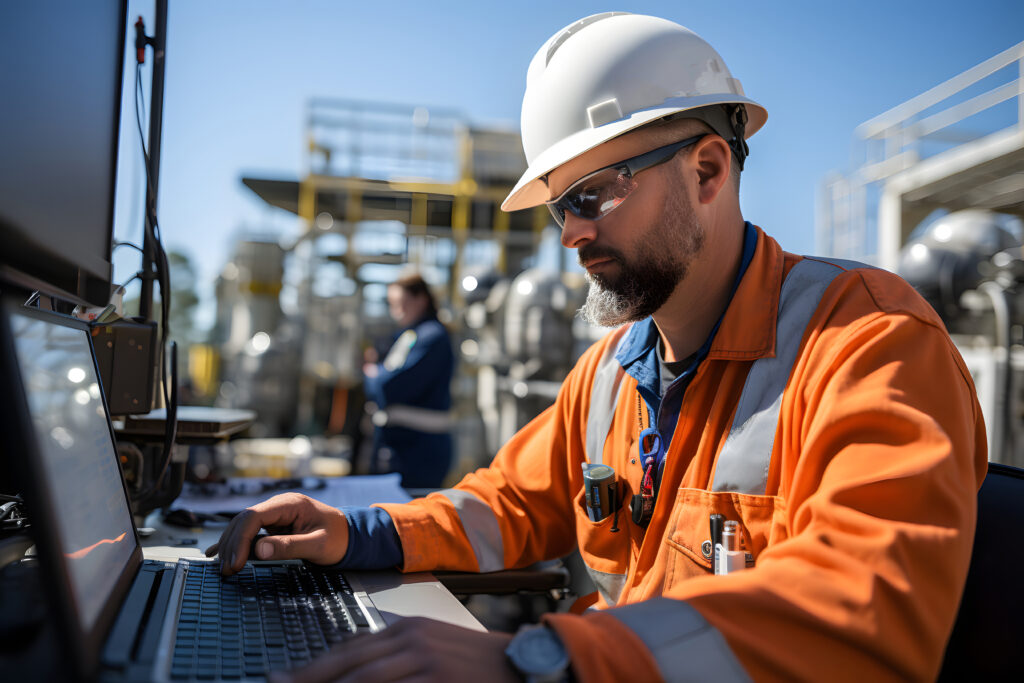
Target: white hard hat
[{"x": 610, "y": 73}]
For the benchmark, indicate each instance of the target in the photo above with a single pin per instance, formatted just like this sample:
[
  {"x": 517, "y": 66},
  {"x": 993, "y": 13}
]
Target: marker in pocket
[{"x": 599, "y": 491}]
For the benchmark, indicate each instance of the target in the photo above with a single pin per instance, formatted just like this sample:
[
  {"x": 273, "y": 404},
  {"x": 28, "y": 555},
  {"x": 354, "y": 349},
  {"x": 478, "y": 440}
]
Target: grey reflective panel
[
  {"x": 742, "y": 465},
  {"x": 481, "y": 527},
  {"x": 608, "y": 585},
  {"x": 604, "y": 396},
  {"x": 685, "y": 645}
]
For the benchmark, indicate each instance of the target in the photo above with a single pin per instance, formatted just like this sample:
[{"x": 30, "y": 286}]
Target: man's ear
[{"x": 712, "y": 159}]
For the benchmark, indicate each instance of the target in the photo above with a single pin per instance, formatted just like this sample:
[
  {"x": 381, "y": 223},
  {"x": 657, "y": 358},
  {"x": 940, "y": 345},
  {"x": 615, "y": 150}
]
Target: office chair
[{"x": 989, "y": 628}]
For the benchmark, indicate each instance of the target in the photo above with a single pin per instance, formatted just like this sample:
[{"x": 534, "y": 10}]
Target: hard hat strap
[
  {"x": 738, "y": 119},
  {"x": 729, "y": 122}
]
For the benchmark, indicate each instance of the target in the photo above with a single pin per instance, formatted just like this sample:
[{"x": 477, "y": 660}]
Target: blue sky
[{"x": 239, "y": 74}]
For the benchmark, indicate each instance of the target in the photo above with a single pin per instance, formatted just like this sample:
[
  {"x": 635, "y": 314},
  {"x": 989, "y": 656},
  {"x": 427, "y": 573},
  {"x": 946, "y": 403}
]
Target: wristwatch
[{"x": 538, "y": 655}]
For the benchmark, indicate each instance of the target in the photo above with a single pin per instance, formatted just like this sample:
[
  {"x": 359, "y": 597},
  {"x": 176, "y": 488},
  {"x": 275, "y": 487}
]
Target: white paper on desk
[{"x": 338, "y": 491}]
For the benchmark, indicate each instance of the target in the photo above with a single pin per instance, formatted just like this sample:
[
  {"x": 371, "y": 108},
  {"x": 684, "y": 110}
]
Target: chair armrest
[{"x": 541, "y": 578}]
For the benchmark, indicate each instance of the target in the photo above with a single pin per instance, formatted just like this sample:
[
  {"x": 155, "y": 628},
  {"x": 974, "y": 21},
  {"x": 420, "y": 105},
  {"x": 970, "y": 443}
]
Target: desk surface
[{"x": 395, "y": 595}]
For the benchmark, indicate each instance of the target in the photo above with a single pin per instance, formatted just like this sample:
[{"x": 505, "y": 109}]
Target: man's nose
[{"x": 577, "y": 231}]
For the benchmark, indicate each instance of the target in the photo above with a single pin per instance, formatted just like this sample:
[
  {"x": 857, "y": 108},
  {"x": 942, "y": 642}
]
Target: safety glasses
[{"x": 597, "y": 194}]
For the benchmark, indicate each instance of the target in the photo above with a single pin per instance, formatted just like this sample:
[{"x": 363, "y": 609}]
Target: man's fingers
[
  {"x": 236, "y": 540},
  {"x": 233, "y": 547},
  {"x": 307, "y": 530},
  {"x": 313, "y": 546},
  {"x": 349, "y": 658}
]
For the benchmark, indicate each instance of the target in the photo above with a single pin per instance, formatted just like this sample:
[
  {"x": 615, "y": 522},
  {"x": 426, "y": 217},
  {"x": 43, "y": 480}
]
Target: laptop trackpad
[{"x": 397, "y": 595}]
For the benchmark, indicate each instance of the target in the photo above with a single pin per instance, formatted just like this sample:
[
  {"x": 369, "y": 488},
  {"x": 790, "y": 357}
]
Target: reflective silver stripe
[
  {"x": 604, "y": 396},
  {"x": 481, "y": 527},
  {"x": 746, "y": 455},
  {"x": 414, "y": 417},
  {"x": 685, "y": 645},
  {"x": 608, "y": 585}
]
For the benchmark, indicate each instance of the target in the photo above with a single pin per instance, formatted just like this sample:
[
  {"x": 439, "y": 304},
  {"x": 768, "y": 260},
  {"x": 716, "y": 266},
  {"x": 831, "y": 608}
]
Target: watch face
[{"x": 539, "y": 651}]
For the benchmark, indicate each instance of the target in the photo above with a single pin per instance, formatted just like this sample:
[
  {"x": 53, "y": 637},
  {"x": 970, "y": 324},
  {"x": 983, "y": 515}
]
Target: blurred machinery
[
  {"x": 389, "y": 187},
  {"x": 969, "y": 265},
  {"x": 521, "y": 339},
  {"x": 939, "y": 200},
  {"x": 259, "y": 347}
]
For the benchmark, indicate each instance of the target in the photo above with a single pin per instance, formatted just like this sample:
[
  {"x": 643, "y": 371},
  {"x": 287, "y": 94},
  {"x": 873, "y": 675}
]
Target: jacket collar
[{"x": 747, "y": 329}]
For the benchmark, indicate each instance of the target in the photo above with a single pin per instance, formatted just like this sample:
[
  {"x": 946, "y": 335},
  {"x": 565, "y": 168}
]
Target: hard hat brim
[{"x": 532, "y": 191}]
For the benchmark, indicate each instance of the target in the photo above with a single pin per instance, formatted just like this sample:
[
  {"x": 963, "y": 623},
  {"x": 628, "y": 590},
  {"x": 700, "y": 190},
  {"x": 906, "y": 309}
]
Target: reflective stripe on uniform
[
  {"x": 481, "y": 527},
  {"x": 604, "y": 396},
  {"x": 742, "y": 465},
  {"x": 413, "y": 417},
  {"x": 685, "y": 646},
  {"x": 607, "y": 584}
]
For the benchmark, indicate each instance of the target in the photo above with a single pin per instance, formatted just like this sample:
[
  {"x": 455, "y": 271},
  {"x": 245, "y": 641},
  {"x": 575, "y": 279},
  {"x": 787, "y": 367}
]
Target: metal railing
[{"x": 930, "y": 127}]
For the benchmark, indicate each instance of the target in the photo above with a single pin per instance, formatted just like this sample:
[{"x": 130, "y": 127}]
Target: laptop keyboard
[{"x": 265, "y": 618}]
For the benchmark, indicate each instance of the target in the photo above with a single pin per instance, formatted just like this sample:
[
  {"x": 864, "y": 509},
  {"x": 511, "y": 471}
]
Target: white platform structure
[{"x": 959, "y": 145}]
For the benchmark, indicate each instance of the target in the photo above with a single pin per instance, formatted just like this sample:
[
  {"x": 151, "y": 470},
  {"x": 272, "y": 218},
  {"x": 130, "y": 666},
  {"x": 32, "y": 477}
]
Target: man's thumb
[
  {"x": 274, "y": 548},
  {"x": 307, "y": 546}
]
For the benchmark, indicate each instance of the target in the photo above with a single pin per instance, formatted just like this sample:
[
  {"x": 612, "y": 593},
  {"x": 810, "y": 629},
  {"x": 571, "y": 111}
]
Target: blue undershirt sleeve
[{"x": 373, "y": 541}]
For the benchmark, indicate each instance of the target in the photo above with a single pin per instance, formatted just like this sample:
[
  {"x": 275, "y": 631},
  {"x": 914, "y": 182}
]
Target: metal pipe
[
  {"x": 156, "y": 115},
  {"x": 1002, "y": 434}
]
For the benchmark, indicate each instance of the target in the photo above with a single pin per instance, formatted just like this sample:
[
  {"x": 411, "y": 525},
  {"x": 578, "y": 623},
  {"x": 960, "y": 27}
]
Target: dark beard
[{"x": 644, "y": 283}]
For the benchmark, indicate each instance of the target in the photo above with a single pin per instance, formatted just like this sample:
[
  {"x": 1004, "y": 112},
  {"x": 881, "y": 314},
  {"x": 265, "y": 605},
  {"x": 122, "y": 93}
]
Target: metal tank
[
  {"x": 258, "y": 346},
  {"x": 969, "y": 266}
]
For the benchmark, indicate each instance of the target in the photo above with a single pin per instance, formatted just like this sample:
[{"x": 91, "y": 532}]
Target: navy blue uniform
[{"x": 416, "y": 374}]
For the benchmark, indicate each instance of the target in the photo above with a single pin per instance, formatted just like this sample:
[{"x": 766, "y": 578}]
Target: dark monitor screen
[{"x": 61, "y": 64}]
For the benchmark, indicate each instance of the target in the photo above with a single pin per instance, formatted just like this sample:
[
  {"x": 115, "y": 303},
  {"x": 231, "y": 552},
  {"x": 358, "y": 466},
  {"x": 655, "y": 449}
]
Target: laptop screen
[{"x": 79, "y": 461}]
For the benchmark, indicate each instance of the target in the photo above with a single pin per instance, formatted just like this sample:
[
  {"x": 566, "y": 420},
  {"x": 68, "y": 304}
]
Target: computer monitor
[{"x": 61, "y": 66}]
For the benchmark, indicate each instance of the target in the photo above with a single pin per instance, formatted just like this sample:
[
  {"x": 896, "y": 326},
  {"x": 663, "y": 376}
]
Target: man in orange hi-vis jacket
[{"x": 817, "y": 410}]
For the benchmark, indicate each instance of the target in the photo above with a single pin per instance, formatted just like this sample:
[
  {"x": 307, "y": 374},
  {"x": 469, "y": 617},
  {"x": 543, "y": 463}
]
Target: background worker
[
  {"x": 819, "y": 406},
  {"x": 409, "y": 392}
]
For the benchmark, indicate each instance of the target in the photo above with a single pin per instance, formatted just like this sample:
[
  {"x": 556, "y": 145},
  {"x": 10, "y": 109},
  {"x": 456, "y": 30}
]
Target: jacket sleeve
[
  {"x": 882, "y": 452},
  {"x": 516, "y": 512},
  {"x": 429, "y": 362}
]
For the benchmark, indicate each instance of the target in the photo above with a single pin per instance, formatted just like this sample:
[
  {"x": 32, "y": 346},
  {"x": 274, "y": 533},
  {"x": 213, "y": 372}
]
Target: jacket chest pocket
[
  {"x": 605, "y": 552},
  {"x": 688, "y": 546}
]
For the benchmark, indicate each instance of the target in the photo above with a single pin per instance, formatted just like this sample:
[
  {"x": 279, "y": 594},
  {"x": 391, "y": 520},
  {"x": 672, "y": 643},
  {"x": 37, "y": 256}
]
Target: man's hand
[
  {"x": 413, "y": 649},
  {"x": 302, "y": 528}
]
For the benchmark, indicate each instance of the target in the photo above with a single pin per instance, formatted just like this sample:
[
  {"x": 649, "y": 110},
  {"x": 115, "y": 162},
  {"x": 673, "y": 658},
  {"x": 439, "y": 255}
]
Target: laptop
[{"x": 123, "y": 617}]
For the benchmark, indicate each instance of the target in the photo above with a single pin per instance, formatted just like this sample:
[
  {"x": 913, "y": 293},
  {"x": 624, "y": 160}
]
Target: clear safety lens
[{"x": 594, "y": 196}]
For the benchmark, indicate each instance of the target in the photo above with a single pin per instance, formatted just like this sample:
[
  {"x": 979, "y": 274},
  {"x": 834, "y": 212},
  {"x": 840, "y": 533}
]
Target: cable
[
  {"x": 162, "y": 266},
  {"x": 7, "y": 509},
  {"x": 118, "y": 243},
  {"x": 133, "y": 278},
  {"x": 172, "y": 426}
]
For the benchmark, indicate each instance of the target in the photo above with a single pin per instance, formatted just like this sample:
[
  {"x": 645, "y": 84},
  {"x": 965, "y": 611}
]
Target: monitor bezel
[
  {"x": 86, "y": 646},
  {"x": 33, "y": 266}
]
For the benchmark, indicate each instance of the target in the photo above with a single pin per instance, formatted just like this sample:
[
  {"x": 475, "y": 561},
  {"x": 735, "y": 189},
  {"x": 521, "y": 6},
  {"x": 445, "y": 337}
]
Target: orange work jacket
[{"x": 860, "y": 526}]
